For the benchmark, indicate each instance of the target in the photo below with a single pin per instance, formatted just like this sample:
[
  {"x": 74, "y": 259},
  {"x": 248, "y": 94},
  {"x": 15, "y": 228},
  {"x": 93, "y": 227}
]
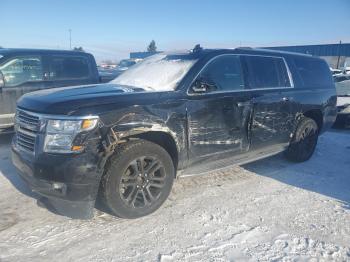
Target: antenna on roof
[{"x": 197, "y": 48}]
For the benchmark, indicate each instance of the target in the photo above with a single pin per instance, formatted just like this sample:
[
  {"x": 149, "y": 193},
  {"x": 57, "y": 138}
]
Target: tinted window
[
  {"x": 224, "y": 72},
  {"x": 313, "y": 72},
  {"x": 266, "y": 72},
  {"x": 21, "y": 70},
  {"x": 69, "y": 67}
]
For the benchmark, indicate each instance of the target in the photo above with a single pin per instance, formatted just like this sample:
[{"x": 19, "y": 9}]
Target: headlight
[{"x": 60, "y": 134}]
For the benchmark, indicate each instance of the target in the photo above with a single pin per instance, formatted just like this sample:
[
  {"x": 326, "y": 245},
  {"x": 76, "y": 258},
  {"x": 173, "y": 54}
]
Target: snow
[
  {"x": 343, "y": 87},
  {"x": 343, "y": 100},
  {"x": 155, "y": 73},
  {"x": 264, "y": 211}
]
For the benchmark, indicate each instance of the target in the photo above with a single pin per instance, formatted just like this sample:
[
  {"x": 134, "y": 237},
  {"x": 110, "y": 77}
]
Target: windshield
[{"x": 159, "y": 72}]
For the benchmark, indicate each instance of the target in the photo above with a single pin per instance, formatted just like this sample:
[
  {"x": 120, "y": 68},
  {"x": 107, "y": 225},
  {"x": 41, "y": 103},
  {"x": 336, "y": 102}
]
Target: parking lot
[{"x": 270, "y": 209}]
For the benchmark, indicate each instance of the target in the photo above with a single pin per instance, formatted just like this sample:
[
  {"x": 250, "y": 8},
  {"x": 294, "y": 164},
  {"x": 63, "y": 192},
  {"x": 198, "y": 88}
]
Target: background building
[{"x": 337, "y": 55}]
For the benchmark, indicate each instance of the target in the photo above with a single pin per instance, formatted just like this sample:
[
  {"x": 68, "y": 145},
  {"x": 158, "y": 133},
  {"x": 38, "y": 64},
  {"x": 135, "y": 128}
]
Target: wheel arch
[
  {"x": 316, "y": 115},
  {"x": 163, "y": 139}
]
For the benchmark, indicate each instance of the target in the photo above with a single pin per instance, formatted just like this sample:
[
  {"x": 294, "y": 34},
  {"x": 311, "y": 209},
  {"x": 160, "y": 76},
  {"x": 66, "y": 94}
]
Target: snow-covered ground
[{"x": 267, "y": 210}]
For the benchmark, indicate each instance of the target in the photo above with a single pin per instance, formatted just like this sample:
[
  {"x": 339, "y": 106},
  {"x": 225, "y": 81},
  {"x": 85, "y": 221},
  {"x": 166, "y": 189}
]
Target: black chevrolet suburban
[
  {"x": 26, "y": 70},
  {"x": 174, "y": 114}
]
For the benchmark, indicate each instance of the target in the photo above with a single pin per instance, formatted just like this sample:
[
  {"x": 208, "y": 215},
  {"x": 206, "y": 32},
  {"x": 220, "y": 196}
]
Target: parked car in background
[
  {"x": 27, "y": 70},
  {"x": 171, "y": 115},
  {"x": 342, "y": 84},
  {"x": 108, "y": 74},
  {"x": 335, "y": 71}
]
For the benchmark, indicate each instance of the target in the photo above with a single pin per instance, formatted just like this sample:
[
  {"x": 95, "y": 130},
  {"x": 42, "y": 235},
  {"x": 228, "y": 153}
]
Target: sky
[{"x": 113, "y": 29}]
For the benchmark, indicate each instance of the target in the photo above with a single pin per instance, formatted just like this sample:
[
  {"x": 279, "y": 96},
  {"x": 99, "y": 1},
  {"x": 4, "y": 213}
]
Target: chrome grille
[{"x": 27, "y": 128}]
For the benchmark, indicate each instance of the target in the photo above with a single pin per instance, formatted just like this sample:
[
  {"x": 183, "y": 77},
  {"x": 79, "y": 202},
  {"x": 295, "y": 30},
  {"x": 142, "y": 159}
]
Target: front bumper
[
  {"x": 6, "y": 120},
  {"x": 68, "y": 182}
]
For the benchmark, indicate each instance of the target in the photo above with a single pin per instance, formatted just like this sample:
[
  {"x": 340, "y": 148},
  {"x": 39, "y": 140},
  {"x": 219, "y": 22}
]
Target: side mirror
[
  {"x": 199, "y": 87},
  {"x": 2, "y": 80},
  {"x": 202, "y": 85}
]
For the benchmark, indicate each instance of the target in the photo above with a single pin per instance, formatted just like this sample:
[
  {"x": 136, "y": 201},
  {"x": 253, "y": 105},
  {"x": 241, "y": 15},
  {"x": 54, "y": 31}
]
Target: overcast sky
[{"x": 111, "y": 29}]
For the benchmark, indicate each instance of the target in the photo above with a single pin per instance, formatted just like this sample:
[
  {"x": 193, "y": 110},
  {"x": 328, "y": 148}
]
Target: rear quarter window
[
  {"x": 266, "y": 72},
  {"x": 314, "y": 73}
]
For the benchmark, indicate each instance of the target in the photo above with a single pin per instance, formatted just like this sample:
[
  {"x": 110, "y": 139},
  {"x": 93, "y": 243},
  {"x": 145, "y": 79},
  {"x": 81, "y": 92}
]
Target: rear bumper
[
  {"x": 329, "y": 118},
  {"x": 343, "y": 119},
  {"x": 69, "y": 183}
]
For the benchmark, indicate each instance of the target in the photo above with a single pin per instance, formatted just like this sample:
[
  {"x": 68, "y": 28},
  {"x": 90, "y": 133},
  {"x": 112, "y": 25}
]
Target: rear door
[
  {"x": 218, "y": 119},
  {"x": 274, "y": 112},
  {"x": 68, "y": 70},
  {"x": 22, "y": 74}
]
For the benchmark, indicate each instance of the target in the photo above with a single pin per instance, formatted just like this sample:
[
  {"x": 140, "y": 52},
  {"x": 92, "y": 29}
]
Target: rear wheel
[
  {"x": 138, "y": 179},
  {"x": 304, "y": 141}
]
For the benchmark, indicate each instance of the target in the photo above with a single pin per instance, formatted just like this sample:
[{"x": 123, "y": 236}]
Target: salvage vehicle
[
  {"x": 27, "y": 70},
  {"x": 172, "y": 115}
]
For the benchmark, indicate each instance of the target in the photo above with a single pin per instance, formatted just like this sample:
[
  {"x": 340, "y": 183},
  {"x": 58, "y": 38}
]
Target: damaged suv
[{"x": 174, "y": 114}]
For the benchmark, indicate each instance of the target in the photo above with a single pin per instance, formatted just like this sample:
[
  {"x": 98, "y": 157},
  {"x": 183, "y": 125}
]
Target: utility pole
[
  {"x": 339, "y": 46},
  {"x": 70, "y": 39}
]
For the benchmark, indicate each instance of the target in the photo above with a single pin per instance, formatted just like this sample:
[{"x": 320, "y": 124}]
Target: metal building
[{"x": 337, "y": 55}]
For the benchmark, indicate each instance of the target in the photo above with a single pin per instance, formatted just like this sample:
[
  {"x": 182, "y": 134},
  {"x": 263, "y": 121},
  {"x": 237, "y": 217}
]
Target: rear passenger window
[
  {"x": 266, "y": 72},
  {"x": 67, "y": 67},
  {"x": 225, "y": 73},
  {"x": 313, "y": 72}
]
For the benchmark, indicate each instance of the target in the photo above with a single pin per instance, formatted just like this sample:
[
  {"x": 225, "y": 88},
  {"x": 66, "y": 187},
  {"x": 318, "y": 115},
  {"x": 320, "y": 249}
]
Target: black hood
[{"x": 69, "y": 100}]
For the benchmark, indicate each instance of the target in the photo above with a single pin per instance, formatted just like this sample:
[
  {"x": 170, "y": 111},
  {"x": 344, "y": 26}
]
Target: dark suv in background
[
  {"x": 170, "y": 115},
  {"x": 27, "y": 70}
]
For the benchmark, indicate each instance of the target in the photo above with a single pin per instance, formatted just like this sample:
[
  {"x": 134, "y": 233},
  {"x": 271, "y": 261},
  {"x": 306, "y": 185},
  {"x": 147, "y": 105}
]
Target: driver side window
[
  {"x": 224, "y": 73},
  {"x": 21, "y": 70}
]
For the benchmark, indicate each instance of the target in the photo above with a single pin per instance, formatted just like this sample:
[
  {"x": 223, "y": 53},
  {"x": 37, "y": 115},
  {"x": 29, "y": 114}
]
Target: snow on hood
[{"x": 156, "y": 73}]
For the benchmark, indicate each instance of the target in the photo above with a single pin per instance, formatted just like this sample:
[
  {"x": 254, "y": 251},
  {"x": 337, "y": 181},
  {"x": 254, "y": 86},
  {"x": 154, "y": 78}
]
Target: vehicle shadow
[{"x": 326, "y": 173}]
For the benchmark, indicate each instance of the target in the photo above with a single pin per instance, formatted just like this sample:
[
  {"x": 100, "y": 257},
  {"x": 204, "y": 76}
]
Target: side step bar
[{"x": 222, "y": 164}]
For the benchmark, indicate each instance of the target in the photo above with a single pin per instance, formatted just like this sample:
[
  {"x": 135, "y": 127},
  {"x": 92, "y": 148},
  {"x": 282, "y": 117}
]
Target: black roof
[{"x": 7, "y": 51}]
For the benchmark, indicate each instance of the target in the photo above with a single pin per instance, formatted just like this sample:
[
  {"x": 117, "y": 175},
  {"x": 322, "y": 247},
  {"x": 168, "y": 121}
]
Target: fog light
[{"x": 59, "y": 187}]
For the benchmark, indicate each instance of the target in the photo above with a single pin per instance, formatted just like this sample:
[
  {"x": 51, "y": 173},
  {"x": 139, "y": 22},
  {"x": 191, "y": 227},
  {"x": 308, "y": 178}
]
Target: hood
[{"x": 69, "y": 100}]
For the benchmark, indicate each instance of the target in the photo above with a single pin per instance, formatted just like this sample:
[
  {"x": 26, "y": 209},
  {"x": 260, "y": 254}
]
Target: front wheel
[
  {"x": 138, "y": 179},
  {"x": 304, "y": 141}
]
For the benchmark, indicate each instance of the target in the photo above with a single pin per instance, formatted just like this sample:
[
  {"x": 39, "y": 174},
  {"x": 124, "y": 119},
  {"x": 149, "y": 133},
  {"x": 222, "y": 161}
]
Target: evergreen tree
[
  {"x": 152, "y": 46},
  {"x": 80, "y": 49}
]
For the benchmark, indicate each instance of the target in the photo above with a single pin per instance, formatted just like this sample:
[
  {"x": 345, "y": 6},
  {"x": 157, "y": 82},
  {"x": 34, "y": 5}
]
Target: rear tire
[
  {"x": 138, "y": 179},
  {"x": 304, "y": 141}
]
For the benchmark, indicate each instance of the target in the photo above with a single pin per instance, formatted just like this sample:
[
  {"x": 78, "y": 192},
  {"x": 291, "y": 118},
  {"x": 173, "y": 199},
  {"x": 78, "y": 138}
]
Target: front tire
[
  {"x": 304, "y": 141},
  {"x": 138, "y": 179}
]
